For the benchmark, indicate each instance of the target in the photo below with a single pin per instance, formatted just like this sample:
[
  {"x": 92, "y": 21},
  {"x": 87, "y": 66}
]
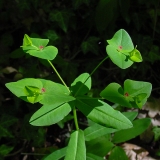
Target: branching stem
[
  {"x": 74, "y": 109},
  {"x": 92, "y": 73},
  {"x": 58, "y": 75}
]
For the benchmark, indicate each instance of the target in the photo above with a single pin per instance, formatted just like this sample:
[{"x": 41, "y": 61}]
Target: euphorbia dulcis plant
[{"x": 58, "y": 100}]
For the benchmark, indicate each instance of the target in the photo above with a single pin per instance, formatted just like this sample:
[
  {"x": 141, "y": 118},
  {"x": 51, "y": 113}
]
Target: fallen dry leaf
[
  {"x": 8, "y": 70},
  {"x": 134, "y": 152},
  {"x": 153, "y": 107}
]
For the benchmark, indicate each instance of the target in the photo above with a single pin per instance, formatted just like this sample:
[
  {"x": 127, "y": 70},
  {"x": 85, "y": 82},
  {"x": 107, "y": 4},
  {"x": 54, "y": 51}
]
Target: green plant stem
[
  {"x": 58, "y": 75},
  {"x": 75, "y": 118},
  {"x": 92, "y": 73},
  {"x": 97, "y": 66},
  {"x": 74, "y": 109}
]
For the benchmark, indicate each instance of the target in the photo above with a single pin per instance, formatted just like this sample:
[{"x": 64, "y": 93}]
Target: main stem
[{"x": 74, "y": 109}]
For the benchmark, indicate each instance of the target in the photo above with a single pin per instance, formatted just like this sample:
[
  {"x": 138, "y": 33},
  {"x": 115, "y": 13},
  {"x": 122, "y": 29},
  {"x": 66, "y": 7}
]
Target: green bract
[
  {"x": 121, "y": 50},
  {"x": 28, "y": 89},
  {"x": 33, "y": 94},
  {"x": 135, "y": 56},
  {"x": 39, "y": 90},
  {"x": 38, "y": 48},
  {"x": 134, "y": 94}
]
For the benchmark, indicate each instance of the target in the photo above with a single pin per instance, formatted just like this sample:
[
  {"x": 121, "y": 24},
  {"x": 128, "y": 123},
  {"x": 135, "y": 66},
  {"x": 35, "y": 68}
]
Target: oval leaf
[
  {"x": 139, "y": 90},
  {"x": 118, "y": 153},
  {"x": 76, "y": 149},
  {"x": 114, "y": 93},
  {"x": 101, "y": 113},
  {"x": 118, "y": 49},
  {"x": 19, "y": 89},
  {"x": 54, "y": 93},
  {"x": 48, "y": 53},
  {"x": 97, "y": 130},
  {"x": 56, "y": 155},
  {"x": 121, "y": 41},
  {"x": 139, "y": 126},
  {"x": 99, "y": 146},
  {"x": 81, "y": 85},
  {"x": 135, "y": 93},
  {"x": 50, "y": 114},
  {"x": 91, "y": 156}
]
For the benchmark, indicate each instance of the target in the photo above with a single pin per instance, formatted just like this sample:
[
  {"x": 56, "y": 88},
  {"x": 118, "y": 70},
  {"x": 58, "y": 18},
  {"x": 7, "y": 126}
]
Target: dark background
[{"x": 79, "y": 29}]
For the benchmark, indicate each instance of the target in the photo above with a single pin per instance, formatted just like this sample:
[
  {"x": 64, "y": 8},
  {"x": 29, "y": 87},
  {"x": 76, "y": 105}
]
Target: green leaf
[
  {"x": 50, "y": 114},
  {"x": 114, "y": 93},
  {"x": 118, "y": 49},
  {"x": 76, "y": 149},
  {"x": 139, "y": 126},
  {"x": 97, "y": 130},
  {"x": 37, "y": 47},
  {"x": 54, "y": 93},
  {"x": 18, "y": 53},
  {"x": 64, "y": 120},
  {"x": 90, "y": 45},
  {"x": 134, "y": 94},
  {"x": 5, "y": 132},
  {"x": 56, "y": 155},
  {"x": 52, "y": 35},
  {"x": 101, "y": 113},
  {"x": 27, "y": 40},
  {"x": 121, "y": 41},
  {"x": 130, "y": 115},
  {"x": 4, "y": 149},
  {"x": 62, "y": 18},
  {"x": 118, "y": 153},
  {"x": 19, "y": 89},
  {"x": 7, "y": 120},
  {"x": 39, "y": 42},
  {"x": 91, "y": 156},
  {"x": 33, "y": 94},
  {"x": 5, "y": 125},
  {"x": 118, "y": 58},
  {"x": 139, "y": 90},
  {"x": 135, "y": 56},
  {"x": 51, "y": 92},
  {"x": 99, "y": 146},
  {"x": 48, "y": 53},
  {"x": 156, "y": 131},
  {"x": 33, "y": 43},
  {"x": 81, "y": 85}
]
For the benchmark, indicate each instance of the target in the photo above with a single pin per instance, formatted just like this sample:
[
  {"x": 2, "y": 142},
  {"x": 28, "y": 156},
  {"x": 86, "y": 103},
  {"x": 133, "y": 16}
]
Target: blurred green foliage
[{"x": 79, "y": 29}]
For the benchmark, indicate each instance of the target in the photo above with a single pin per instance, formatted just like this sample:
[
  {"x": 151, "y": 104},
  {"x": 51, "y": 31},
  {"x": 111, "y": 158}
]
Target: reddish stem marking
[
  {"x": 126, "y": 94},
  {"x": 41, "y": 47},
  {"x": 43, "y": 90},
  {"x": 120, "y": 47}
]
